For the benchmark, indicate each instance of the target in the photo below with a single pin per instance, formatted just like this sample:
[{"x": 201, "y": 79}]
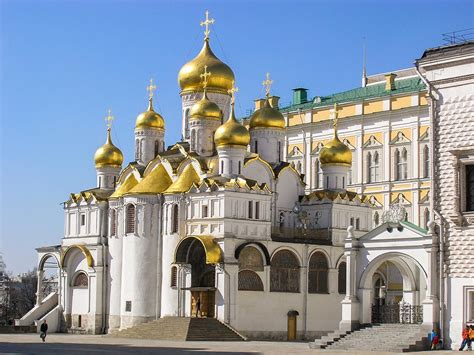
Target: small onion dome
[
  {"x": 267, "y": 117},
  {"x": 335, "y": 153},
  {"x": 205, "y": 109},
  {"x": 232, "y": 132},
  {"x": 108, "y": 155},
  {"x": 189, "y": 76},
  {"x": 150, "y": 119}
]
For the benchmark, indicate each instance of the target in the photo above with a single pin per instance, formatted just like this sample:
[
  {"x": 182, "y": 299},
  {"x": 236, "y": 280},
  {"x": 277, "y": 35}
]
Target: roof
[
  {"x": 95, "y": 193},
  {"x": 451, "y": 49}
]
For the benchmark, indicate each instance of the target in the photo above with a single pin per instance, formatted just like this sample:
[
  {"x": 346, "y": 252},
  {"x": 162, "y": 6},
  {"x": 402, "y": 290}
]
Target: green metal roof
[
  {"x": 402, "y": 86},
  {"x": 414, "y": 226}
]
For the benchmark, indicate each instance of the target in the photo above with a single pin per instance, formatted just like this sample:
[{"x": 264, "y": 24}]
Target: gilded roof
[
  {"x": 150, "y": 119},
  {"x": 125, "y": 187},
  {"x": 157, "y": 181},
  {"x": 185, "y": 181},
  {"x": 95, "y": 194},
  {"x": 267, "y": 117},
  {"x": 332, "y": 195},
  {"x": 108, "y": 155}
]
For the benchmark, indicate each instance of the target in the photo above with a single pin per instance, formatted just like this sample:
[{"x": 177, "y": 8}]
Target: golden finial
[
  {"x": 335, "y": 118},
  {"x": 109, "y": 120},
  {"x": 151, "y": 89},
  {"x": 206, "y": 24},
  {"x": 267, "y": 83},
  {"x": 204, "y": 76},
  {"x": 232, "y": 92}
]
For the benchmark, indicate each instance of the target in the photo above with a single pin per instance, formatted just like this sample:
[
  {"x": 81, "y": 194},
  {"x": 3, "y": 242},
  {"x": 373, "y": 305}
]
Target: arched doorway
[
  {"x": 199, "y": 256},
  {"x": 49, "y": 280},
  {"x": 392, "y": 288}
]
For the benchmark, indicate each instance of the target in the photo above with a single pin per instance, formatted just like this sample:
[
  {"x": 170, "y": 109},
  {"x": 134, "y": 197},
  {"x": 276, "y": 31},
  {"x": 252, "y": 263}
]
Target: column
[
  {"x": 431, "y": 302},
  {"x": 39, "y": 287}
]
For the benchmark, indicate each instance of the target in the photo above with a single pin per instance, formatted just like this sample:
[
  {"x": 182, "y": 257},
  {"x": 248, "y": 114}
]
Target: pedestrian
[
  {"x": 44, "y": 330},
  {"x": 434, "y": 340},
  {"x": 471, "y": 336},
  {"x": 465, "y": 338},
  {"x": 198, "y": 307}
]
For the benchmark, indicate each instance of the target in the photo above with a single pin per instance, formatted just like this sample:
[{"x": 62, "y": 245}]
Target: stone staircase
[
  {"x": 181, "y": 328},
  {"x": 377, "y": 337}
]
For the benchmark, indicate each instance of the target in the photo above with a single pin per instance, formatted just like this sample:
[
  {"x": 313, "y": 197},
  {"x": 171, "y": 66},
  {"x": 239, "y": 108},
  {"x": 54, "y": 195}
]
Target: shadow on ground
[{"x": 74, "y": 348}]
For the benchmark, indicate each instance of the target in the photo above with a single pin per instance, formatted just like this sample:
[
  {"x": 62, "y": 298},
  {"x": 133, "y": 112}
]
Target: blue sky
[{"x": 64, "y": 63}]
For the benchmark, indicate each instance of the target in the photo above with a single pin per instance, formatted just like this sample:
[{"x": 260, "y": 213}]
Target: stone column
[
  {"x": 39, "y": 287},
  {"x": 431, "y": 302},
  {"x": 350, "y": 304}
]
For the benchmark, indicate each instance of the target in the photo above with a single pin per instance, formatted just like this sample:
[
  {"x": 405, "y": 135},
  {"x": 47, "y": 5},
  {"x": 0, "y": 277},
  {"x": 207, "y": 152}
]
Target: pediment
[
  {"x": 295, "y": 152},
  {"x": 400, "y": 138},
  {"x": 372, "y": 142}
]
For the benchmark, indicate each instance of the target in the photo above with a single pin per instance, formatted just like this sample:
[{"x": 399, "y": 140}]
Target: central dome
[{"x": 189, "y": 76}]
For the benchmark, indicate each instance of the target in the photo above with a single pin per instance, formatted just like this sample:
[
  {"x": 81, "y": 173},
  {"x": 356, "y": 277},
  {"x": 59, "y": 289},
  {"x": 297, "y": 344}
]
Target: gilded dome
[
  {"x": 232, "y": 132},
  {"x": 335, "y": 153},
  {"x": 205, "y": 108},
  {"x": 267, "y": 117},
  {"x": 150, "y": 119},
  {"x": 189, "y": 76},
  {"x": 108, "y": 155}
]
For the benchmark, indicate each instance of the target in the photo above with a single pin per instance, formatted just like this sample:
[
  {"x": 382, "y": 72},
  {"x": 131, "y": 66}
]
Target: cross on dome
[
  {"x": 109, "y": 118},
  {"x": 204, "y": 76},
  {"x": 335, "y": 118},
  {"x": 151, "y": 89},
  {"x": 206, "y": 24},
  {"x": 267, "y": 83},
  {"x": 232, "y": 92}
]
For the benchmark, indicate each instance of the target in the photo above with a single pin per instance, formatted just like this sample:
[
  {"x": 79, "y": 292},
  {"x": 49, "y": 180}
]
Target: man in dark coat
[{"x": 44, "y": 330}]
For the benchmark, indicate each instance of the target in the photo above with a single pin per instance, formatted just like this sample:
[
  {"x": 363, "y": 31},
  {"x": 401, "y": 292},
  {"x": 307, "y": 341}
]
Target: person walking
[
  {"x": 434, "y": 340},
  {"x": 43, "y": 330},
  {"x": 471, "y": 337},
  {"x": 465, "y": 338},
  {"x": 198, "y": 307}
]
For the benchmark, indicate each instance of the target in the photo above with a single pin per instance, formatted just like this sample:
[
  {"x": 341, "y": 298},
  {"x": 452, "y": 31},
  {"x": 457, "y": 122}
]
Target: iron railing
[{"x": 397, "y": 313}]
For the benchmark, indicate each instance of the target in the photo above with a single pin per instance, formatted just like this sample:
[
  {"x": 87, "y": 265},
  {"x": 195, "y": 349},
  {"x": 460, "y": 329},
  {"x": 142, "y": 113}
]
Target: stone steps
[
  {"x": 182, "y": 328},
  {"x": 377, "y": 337}
]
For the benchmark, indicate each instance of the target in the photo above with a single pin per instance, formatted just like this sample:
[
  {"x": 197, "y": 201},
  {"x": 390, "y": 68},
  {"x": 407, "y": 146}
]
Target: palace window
[
  {"x": 174, "y": 276},
  {"x": 373, "y": 163},
  {"x": 83, "y": 219},
  {"x": 284, "y": 272},
  {"x": 256, "y": 146},
  {"x": 426, "y": 162},
  {"x": 250, "y": 259},
  {"x": 128, "y": 306},
  {"x": 80, "y": 280},
  {"x": 175, "y": 221},
  {"x": 469, "y": 187},
  {"x": 130, "y": 222},
  {"x": 257, "y": 210},
  {"x": 205, "y": 210},
  {"x": 193, "y": 140},
  {"x": 240, "y": 167},
  {"x": 137, "y": 149},
  {"x": 186, "y": 124},
  {"x": 157, "y": 148},
  {"x": 341, "y": 278},
  {"x": 279, "y": 151},
  {"x": 250, "y": 209},
  {"x": 318, "y": 273},
  {"x": 401, "y": 164},
  {"x": 250, "y": 281}
]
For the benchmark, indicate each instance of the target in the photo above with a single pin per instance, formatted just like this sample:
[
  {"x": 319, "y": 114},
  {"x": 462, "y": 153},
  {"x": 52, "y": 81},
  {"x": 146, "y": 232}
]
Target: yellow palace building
[{"x": 385, "y": 123}]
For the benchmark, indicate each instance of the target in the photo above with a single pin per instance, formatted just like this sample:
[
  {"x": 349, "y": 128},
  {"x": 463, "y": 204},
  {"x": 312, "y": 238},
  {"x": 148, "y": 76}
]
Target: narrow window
[
  {"x": 351, "y": 221},
  {"x": 157, "y": 148},
  {"x": 174, "y": 276},
  {"x": 469, "y": 187},
  {"x": 316, "y": 173},
  {"x": 115, "y": 181},
  {"x": 318, "y": 273},
  {"x": 376, "y": 219},
  {"x": 369, "y": 168},
  {"x": 343, "y": 182},
  {"x": 222, "y": 167},
  {"x": 279, "y": 151},
  {"x": 327, "y": 182},
  {"x": 100, "y": 181},
  {"x": 256, "y": 146},
  {"x": 130, "y": 222},
  {"x": 175, "y": 222},
  {"x": 128, "y": 306},
  {"x": 240, "y": 166},
  {"x": 193, "y": 140},
  {"x": 298, "y": 166},
  {"x": 204, "y": 211},
  {"x": 404, "y": 164},
  {"x": 257, "y": 210},
  {"x": 357, "y": 227},
  {"x": 83, "y": 219},
  {"x": 250, "y": 209},
  {"x": 341, "y": 279},
  {"x": 79, "y": 321},
  {"x": 397, "y": 162},
  {"x": 426, "y": 217},
  {"x": 137, "y": 149},
  {"x": 113, "y": 223},
  {"x": 426, "y": 162}
]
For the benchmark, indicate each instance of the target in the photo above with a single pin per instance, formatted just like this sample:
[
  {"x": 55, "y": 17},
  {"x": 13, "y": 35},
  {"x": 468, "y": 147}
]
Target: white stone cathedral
[{"x": 220, "y": 217}]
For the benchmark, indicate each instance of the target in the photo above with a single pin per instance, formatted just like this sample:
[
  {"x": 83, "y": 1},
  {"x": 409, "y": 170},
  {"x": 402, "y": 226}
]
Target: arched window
[
  {"x": 376, "y": 219},
  {"x": 279, "y": 151},
  {"x": 175, "y": 221},
  {"x": 317, "y": 174},
  {"x": 174, "y": 276},
  {"x": 130, "y": 222},
  {"x": 193, "y": 139},
  {"x": 284, "y": 272},
  {"x": 157, "y": 147},
  {"x": 186, "y": 124},
  {"x": 401, "y": 164},
  {"x": 250, "y": 281},
  {"x": 426, "y": 161},
  {"x": 240, "y": 167},
  {"x": 404, "y": 164},
  {"x": 373, "y": 163},
  {"x": 80, "y": 280},
  {"x": 137, "y": 149},
  {"x": 341, "y": 278},
  {"x": 113, "y": 222},
  {"x": 250, "y": 209},
  {"x": 369, "y": 167},
  {"x": 250, "y": 259},
  {"x": 222, "y": 167},
  {"x": 426, "y": 215},
  {"x": 318, "y": 273},
  {"x": 256, "y": 146}
]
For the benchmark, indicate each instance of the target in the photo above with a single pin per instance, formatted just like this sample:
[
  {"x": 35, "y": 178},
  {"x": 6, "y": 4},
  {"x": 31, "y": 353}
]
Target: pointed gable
[
  {"x": 157, "y": 181},
  {"x": 127, "y": 185},
  {"x": 185, "y": 181}
]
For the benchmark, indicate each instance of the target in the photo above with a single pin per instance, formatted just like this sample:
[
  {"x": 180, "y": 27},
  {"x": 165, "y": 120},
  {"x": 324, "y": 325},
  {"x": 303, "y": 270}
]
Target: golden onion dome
[
  {"x": 189, "y": 76},
  {"x": 267, "y": 117},
  {"x": 108, "y": 155},
  {"x": 335, "y": 153},
  {"x": 206, "y": 109},
  {"x": 150, "y": 119},
  {"x": 232, "y": 132}
]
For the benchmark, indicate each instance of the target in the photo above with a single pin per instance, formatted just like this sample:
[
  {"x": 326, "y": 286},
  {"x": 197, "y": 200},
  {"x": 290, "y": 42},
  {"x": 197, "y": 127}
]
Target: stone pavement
[{"x": 97, "y": 344}]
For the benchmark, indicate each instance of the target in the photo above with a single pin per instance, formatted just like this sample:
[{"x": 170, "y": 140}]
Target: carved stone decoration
[{"x": 395, "y": 214}]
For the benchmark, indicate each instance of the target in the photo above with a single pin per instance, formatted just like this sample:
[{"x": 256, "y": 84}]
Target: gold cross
[
  {"x": 267, "y": 83},
  {"x": 204, "y": 77},
  {"x": 206, "y": 24},
  {"x": 232, "y": 92},
  {"x": 151, "y": 89},
  {"x": 109, "y": 119},
  {"x": 335, "y": 117}
]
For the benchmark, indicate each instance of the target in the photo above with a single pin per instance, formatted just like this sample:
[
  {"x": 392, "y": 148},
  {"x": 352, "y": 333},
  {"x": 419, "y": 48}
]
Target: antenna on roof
[{"x": 364, "y": 70}]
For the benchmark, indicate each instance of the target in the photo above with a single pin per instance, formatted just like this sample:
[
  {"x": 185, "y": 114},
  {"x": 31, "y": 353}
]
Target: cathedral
[{"x": 255, "y": 221}]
